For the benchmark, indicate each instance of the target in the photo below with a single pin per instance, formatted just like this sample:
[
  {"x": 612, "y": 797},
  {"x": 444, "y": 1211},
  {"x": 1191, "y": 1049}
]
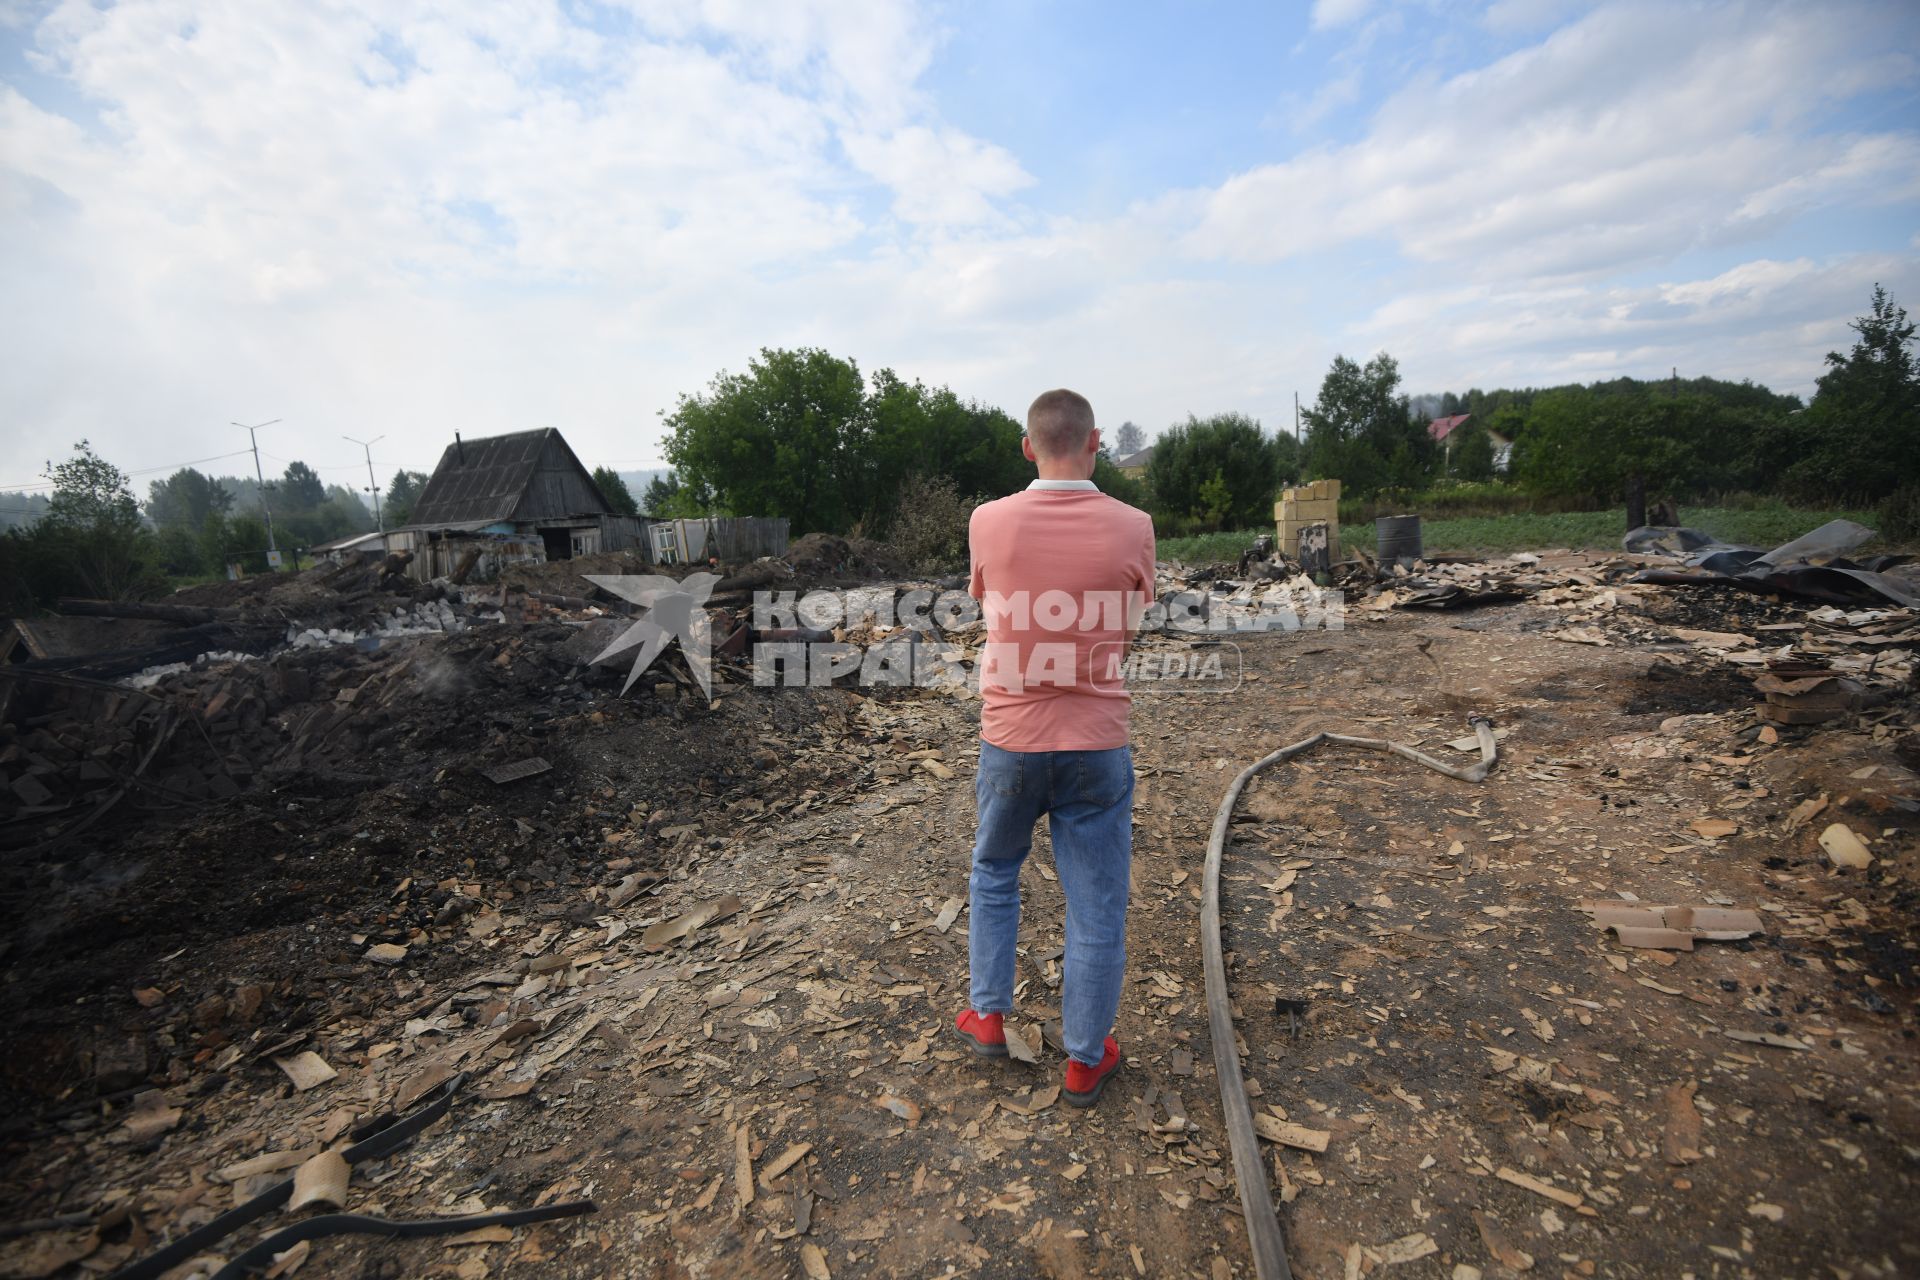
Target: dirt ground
[{"x": 1502, "y": 1087}]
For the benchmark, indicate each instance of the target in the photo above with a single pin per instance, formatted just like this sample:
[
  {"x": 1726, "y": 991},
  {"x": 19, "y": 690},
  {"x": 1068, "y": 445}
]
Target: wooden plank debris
[
  {"x": 1287, "y": 1134},
  {"x": 321, "y": 1180},
  {"x": 783, "y": 1162},
  {"x": 306, "y": 1069},
  {"x": 1526, "y": 1182},
  {"x": 743, "y": 1164}
]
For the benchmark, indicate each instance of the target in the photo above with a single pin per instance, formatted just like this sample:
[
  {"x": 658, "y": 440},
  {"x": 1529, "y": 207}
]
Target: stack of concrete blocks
[{"x": 1316, "y": 503}]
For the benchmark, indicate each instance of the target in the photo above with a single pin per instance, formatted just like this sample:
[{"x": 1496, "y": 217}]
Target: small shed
[{"x": 522, "y": 496}]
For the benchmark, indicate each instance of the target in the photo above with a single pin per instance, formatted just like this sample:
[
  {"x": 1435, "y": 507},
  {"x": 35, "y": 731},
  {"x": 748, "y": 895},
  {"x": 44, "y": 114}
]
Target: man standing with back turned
[{"x": 1063, "y": 573}]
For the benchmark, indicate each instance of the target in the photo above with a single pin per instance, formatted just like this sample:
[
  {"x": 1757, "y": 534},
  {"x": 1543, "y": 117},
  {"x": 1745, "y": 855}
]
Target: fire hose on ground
[
  {"x": 1268, "y": 1242},
  {"x": 374, "y": 1140}
]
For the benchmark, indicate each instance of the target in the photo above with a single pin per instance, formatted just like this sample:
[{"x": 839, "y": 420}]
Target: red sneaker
[
  {"x": 983, "y": 1032},
  {"x": 1084, "y": 1083}
]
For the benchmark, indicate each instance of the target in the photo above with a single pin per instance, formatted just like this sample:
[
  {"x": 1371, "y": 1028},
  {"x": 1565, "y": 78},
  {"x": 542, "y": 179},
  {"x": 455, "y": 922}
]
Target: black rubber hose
[{"x": 1264, "y": 1237}]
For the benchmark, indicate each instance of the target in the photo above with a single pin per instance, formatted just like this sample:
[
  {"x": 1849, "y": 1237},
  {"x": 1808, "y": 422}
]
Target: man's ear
[
  {"x": 1093, "y": 440},
  {"x": 1026, "y": 448}
]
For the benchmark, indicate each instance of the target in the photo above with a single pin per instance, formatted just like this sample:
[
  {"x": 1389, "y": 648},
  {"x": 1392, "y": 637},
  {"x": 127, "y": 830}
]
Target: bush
[
  {"x": 929, "y": 526},
  {"x": 1451, "y": 498},
  {"x": 1171, "y": 526},
  {"x": 1208, "y": 548},
  {"x": 1221, "y": 471},
  {"x": 1899, "y": 515}
]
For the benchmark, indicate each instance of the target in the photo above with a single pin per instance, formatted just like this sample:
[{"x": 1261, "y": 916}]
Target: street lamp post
[
  {"x": 374, "y": 489},
  {"x": 273, "y": 549}
]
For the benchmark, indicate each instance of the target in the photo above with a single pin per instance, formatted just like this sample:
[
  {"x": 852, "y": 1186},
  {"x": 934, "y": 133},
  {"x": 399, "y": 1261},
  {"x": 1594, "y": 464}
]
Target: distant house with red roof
[{"x": 1443, "y": 430}]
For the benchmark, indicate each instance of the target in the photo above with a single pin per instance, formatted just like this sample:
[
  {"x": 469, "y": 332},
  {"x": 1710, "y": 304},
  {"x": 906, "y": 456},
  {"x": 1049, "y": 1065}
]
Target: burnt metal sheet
[
  {"x": 519, "y": 769},
  {"x": 1812, "y": 566}
]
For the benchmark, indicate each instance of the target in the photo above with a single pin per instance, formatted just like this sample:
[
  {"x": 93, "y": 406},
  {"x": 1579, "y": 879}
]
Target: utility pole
[
  {"x": 372, "y": 488},
  {"x": 273, "y": 549},
  {"x": 1296, "y": 415}
]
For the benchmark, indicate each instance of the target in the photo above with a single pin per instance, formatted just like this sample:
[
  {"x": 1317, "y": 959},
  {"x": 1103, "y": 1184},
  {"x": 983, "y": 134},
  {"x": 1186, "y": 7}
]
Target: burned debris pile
[
  {"x": 269, "y": 849},
  {"x": 691, "y": 955},
  {"x": 1816, "y": 634},
  {"x": 1814, "y": 566},
  {"x": 157, "y": 706},
  {"x": 138, "y": 760}
]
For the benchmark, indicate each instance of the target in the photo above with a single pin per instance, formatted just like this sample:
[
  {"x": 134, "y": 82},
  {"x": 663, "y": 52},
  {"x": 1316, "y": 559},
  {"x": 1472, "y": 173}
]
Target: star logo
[{"x": 675, "y": 610}]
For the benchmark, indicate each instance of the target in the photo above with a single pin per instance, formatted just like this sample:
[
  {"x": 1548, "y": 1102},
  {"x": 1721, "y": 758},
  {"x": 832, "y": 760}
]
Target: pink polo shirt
[{"x": 1063, "y": 573}]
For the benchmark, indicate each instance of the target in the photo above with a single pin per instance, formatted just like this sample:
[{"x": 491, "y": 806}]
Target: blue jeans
[{"x": 1088, "y": 799}]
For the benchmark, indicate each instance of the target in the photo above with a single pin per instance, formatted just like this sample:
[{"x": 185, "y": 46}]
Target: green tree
[
  {"x": 1862, "y": 432},
  {"x": 1361, "y": 432},
  {"x": 93, "y": 529},
  {"x": 663, "y": 496},
  {"x": 800, "y": 434},
  {"x": 1609, "y": 445},
  {"x": 1115, "y": 483},
  {"x": 1508, "y": 421},
  {"x": 338, "y": 513},
  {"x": 18, "y": 508},
  {"x": 1128, "y": 439},
  {"x": 186, "y": 498},
  {"x": 402, "y": 492},
  {"x": 782, "y": 439},
  {"x": 179, "y": 551},
  {"x": 300, "y": 488},
  {"x": 1194, "y": 462},
  {"x": 236, "y": 539},
  {"x": 615, "y": 491},
  {"x": 668, "y": 499},
  {"x": 1286, "y": 458},
  {"x": 1472, "y": 455},
  {"x": 343, "y": 513},
  {"x": 1215, "y": 501},
  {"x": 913, "y": 430}
]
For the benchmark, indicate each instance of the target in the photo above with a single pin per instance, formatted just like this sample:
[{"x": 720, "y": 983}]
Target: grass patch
[
  {"x": 1766, "y": 525},
  {"x": 1209, "y": 548}
]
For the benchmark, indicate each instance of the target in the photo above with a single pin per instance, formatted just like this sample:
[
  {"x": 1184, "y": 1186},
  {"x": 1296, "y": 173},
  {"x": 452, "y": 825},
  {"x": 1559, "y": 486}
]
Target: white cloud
[
  {"x": 363, "y": 195},
  {"x": 1626, "y": 137},
  {"x": 413, "y": 217},
  {"x": 1511, "y": 16},
  {"x": 939, "y": 176},
  {"x": 1777, "y": 316},
  {"x": 1328, "y": 14}
]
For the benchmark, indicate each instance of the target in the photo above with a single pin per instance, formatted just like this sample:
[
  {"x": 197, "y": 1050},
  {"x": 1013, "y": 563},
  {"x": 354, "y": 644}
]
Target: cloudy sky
[{"x": 405, "y": 218}]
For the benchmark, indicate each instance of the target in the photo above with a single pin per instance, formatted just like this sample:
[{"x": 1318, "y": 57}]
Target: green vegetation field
[{"x": 1762, "y": 526}]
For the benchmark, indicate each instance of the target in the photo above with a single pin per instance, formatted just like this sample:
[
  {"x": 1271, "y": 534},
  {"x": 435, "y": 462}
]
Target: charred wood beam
[{"x": 185, "y": 613}]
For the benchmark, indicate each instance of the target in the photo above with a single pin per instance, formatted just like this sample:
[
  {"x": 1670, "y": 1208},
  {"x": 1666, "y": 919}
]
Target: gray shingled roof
[{"x": 501, "y": 478}]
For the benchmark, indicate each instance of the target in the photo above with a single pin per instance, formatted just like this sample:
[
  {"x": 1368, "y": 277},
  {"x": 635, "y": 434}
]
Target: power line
[
  {"x": 143, "y": 471},
  {"x": 345, "y": 466}
]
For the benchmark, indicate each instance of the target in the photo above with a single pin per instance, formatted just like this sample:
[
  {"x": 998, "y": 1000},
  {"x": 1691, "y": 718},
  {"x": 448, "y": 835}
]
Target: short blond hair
[{"x": 1058, "y": 423}]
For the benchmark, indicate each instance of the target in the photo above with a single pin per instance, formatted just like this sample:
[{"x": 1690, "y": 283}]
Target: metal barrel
[{"x": 1399, "y": 538}]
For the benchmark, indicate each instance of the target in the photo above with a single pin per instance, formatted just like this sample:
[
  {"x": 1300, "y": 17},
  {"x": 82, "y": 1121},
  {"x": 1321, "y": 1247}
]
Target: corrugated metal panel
[{"x": 525, "y": 477}]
